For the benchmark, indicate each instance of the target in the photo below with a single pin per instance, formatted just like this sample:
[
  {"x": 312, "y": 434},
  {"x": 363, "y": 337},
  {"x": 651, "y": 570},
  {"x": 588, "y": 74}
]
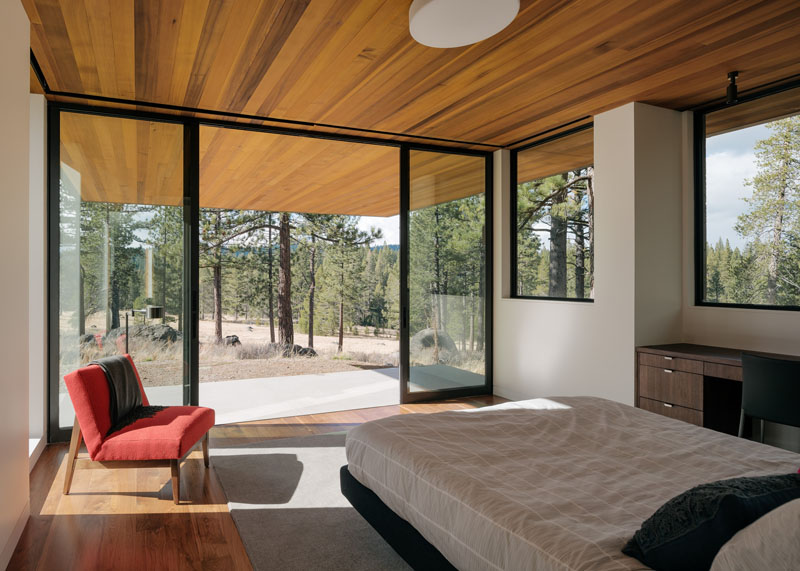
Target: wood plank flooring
[{"x": 125, "y": 519}]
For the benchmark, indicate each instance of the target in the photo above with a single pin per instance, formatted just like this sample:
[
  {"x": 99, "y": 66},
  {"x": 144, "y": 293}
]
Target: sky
[
  {"x": 729, "y": 161},
  {"x": 389, "y": 226}
]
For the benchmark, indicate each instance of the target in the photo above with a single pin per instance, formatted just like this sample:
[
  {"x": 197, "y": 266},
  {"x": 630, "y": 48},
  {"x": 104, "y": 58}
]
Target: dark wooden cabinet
[
  {"x": 693, "y": 383},
  {"x": 683, "y": 413},
  {"x": 671, "y": 386},
  {"x": 698, "y": 384}
]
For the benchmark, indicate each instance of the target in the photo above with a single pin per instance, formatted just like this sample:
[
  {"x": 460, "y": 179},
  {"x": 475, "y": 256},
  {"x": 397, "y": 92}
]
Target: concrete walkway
[{"x": 277, "y": 397}]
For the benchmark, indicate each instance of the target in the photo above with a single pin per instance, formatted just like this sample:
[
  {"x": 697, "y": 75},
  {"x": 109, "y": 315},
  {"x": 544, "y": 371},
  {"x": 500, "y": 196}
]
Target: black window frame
[
  {"x": 191, "y": 206},
  {"x": 699, "y": 196},
  {"x": 513, "y": 252}
]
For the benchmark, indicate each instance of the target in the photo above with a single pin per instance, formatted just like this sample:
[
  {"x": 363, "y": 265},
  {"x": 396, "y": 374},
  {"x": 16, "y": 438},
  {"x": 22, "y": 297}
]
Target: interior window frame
[
  {"x": 699, "y": 197},
  {"x": 513, "y": 249}
]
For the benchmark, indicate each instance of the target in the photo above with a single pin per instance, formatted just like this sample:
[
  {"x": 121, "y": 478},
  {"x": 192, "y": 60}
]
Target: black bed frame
[{"x": 398, "y": 533}]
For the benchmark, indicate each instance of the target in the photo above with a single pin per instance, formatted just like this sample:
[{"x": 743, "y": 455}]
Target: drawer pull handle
[
  {"x": 667, "y": 370},
  {"x": 666, "y": 404},
  {"x": 668, "y": 358}
]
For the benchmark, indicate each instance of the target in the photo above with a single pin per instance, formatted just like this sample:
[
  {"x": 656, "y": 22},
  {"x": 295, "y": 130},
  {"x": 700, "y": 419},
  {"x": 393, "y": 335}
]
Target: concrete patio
[{"x": 277, "y": 397}]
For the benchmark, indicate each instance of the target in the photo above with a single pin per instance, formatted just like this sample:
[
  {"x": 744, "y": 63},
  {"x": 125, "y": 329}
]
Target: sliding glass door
[
  {"x": 447, "y": 303},
  {"x": 261, "y": 254},
  {"x": 120, "y": 233}
]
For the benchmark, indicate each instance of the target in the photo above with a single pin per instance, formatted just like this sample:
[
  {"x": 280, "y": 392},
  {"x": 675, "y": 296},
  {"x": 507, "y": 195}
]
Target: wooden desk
[{"x": 698, "y": 384}]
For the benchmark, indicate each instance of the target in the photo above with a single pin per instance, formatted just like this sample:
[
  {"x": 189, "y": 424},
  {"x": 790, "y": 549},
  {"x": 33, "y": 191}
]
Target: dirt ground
[
  {"x": 163, "y": 373},
  {"x": 221, "y": 364},
  {"x": 322, "y": 344}
]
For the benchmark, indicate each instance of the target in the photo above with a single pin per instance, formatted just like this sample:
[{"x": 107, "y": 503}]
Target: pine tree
[{"x": 774, "y": 206}]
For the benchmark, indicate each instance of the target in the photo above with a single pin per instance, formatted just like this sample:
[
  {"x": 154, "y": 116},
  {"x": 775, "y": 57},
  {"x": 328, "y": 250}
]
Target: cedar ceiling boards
[
  {"x": 140, "y": 162},
  {"x": 123, "y": 160},
  {"x": 437, "y": 178},
  {"x": 262, "y": 171},
  {"x": 354, "y": 64},
  {"x": 559, "y": 155},
  {"x": 753, "y": 112}
]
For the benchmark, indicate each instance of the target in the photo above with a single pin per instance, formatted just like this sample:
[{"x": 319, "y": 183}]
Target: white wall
[
  {"x": 37, "y": 302},
  {"x": 14, "y": 71},
  {"x": 573, "y": 348},
  {"x": 658, "y": 170}
]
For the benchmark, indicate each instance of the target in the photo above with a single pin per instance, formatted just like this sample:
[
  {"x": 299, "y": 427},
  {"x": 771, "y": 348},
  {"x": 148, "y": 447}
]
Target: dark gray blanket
[
  {"x": 125, "y": 393},
  {"x": 123, "y": 387}
]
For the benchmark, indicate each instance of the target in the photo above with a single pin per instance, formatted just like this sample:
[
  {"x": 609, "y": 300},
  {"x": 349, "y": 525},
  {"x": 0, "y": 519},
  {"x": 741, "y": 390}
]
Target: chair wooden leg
[
  {"x": 74, "y": 446},
  {"x": 762, "y": 431},
  {"x": 175, "y": 467},
  {"x": 205, "y": 450},
  {"x": 741, "y": 424}
]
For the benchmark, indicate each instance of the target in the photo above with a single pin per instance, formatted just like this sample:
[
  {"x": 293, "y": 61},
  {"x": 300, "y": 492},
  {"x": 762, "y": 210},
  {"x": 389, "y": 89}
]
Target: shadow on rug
[{"x": 285, "y": 499}]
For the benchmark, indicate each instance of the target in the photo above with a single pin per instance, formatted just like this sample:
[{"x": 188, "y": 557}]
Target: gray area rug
[{"x": 285, "y": 499}]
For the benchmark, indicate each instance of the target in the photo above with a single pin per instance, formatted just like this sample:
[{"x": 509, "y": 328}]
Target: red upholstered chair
[{"x": 163, "y": 440}]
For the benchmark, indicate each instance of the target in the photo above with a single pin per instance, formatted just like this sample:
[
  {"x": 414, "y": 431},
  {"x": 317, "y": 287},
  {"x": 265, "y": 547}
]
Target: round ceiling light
[{"x": 455, "y": 23}]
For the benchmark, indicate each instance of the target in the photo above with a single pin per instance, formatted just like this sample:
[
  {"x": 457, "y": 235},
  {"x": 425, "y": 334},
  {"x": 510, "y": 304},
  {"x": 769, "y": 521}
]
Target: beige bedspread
[{"x": 546, "y": 484}]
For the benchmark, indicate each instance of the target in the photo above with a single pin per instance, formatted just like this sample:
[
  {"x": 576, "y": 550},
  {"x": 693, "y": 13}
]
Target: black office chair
[{"x": 770, "y": 391}]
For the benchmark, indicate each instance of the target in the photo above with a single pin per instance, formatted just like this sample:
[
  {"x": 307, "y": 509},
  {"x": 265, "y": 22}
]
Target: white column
[
  {"x": 14, "y": 69},
  {"x": 549, "y": 348},
  {"x": 37, "y": 276}
]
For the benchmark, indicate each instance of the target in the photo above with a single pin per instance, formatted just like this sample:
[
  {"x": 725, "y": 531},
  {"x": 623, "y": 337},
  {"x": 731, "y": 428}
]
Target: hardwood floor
[{"x": 125, "y": 519}]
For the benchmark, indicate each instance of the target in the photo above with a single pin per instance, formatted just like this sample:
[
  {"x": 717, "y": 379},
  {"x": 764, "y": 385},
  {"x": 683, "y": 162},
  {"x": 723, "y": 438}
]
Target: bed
[{"x": 548, "y": 484}]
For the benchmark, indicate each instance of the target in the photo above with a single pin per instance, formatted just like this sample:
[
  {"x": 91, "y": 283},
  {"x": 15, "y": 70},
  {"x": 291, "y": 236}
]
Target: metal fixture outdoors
[
  {"x": 456, "y": 23},
  {"x": 733, "y": 90},
  {"x": 152, "y": 312}
]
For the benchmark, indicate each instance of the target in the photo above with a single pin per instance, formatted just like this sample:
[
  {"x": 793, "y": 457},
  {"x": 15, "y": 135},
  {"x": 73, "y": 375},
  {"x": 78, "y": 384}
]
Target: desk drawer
[
  {"x": 670, "y": 386},
  {"x": 673, "y": 363},
  {"x": 673, "y": 411},
  {"x": 722, "y": 371}
]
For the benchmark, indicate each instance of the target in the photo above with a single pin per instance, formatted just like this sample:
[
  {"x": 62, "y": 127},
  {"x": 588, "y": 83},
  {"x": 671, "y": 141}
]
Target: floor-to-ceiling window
[
  {"x": 447, "y": 285},
  {"x": 299, "y": 273},
  {"x": 120, "y": 232},
  {"x": 288, "y": 249}
]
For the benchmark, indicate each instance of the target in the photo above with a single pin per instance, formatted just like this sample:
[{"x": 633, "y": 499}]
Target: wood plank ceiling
[
  {"x": 261, "y": 171},
  {"x": 560, "y": 155},
  {"x": 354, "y": 64},
  {"x": 127, "y": 161}
]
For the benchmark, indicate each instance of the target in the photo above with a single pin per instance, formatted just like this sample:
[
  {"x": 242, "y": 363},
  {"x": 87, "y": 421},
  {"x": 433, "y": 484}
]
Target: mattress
[{"x": 547, "y": 484}]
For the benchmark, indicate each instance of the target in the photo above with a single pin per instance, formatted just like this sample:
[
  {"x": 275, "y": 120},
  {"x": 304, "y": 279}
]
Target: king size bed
[{"x": 547, "y": 484}]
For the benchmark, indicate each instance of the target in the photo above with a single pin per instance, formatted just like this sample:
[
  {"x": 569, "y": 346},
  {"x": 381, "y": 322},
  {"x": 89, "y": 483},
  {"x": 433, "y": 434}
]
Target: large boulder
[
  {"x": 424, "y": 339},
  {"x": 156, "y": 333}
]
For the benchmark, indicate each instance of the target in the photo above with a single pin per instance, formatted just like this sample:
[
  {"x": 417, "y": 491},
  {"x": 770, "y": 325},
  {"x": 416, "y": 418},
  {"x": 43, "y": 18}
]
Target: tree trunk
[
  {"x": 270, "y": 285},
  {"x": 777, "y": 236},
  {"x": 107, "y": 269},
  {"x": 341, "y": 326},
  {"x": 217, "y": 279},
  {"x": 435, "y": 332},
  {"x": 590, "y": 191},
  {"x": 436, "y": 284},
  {"x": 164, "y": 275},
  {"x": 285, "y": 325},
  {"x": 558, "y": 249},
  {"x": 464, "y": 319},
  {"x": 482, "y": 291},
  {"x": 81, "y": 304},
  {"x": 472, "y": 322},
  {"x": 114, "y": 302},
  {"x": 311, "y": 288},
  {"x": 774, "y": 255},
  {"x": 217, "y": 284},
  {"x": 579, "y": 262},
  {"x": 341, "y": 309}
]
